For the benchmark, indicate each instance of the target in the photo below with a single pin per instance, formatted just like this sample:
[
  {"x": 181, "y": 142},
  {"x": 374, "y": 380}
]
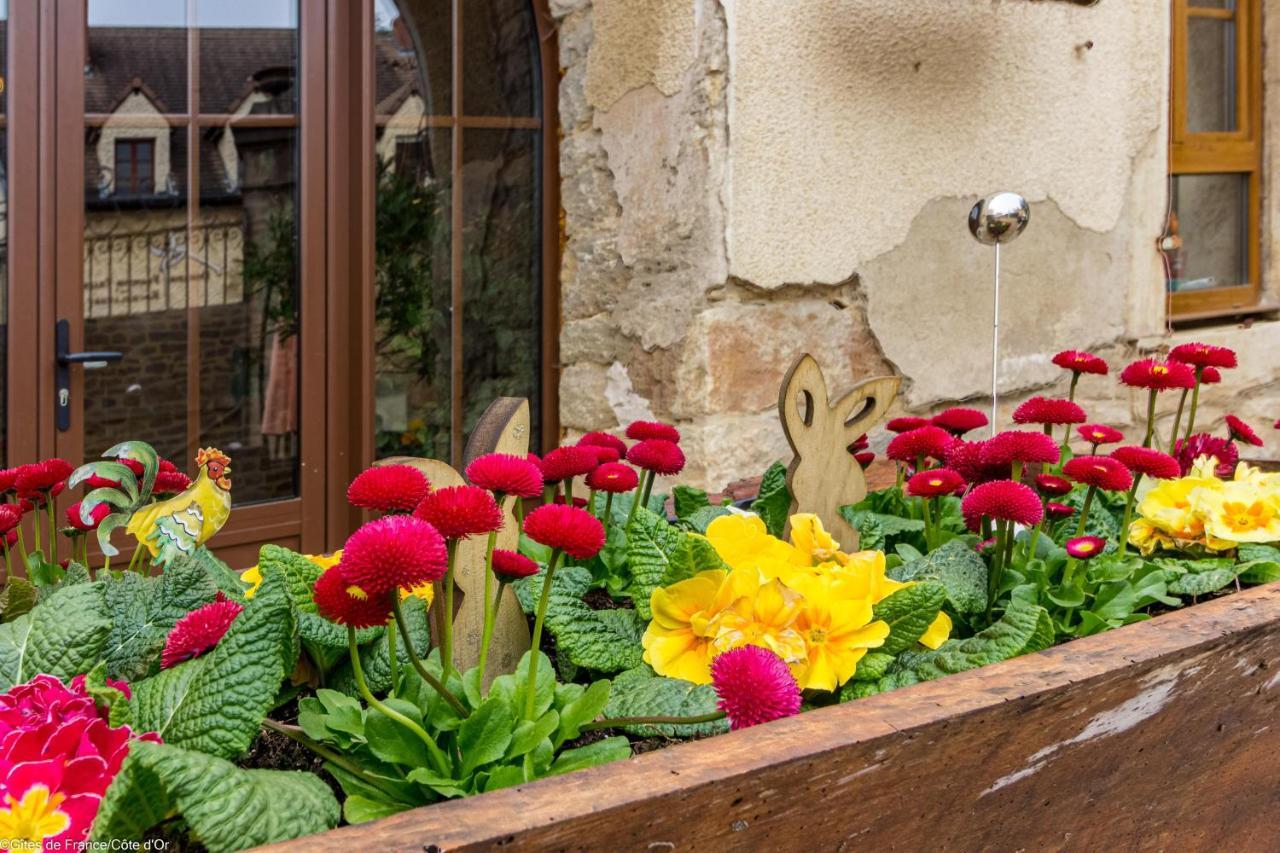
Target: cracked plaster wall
[{"x": 744, "y": 180}]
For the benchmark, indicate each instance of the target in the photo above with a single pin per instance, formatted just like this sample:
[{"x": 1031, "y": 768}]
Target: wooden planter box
[{"x": 1163, "y": 735}]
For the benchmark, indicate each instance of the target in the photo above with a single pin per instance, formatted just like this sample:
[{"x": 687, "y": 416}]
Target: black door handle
[{"x": 62, "y": 373}]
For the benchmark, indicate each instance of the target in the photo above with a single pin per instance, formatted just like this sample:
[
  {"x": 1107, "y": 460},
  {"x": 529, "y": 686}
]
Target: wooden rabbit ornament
[
  {"x": 824, "y": 476},
  {"x": 503, "y": 428}
]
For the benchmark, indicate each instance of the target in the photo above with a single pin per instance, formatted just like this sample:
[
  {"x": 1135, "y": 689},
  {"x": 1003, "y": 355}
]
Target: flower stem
[
  {"x": 392, "y": 659},
  {"x": 489, "y": 615},
  {"x": 487, "y": 637},
  {"x": 591, "y": 501},
  {"x": 8, "y": 562},
  {"x": 53, "y": 532},
  {"x": 549, "y": 493},
  {"x": 618, "y": 722},
  {"x": 568, "y": 491},
  {"x": 36, "y": 517},
  {"x": 438, "y": 757},
  {"x": 648, "y": 489},
  {"x": 635, "y": 498},
  {"x": 22, "y": 546},
  {"x": 536, "y": 639},
  {"x": 334, "y": 758},
  {"x": 1071, "y": 395},
  {"x": 928, "y": 524},
  {"x": 997, "y": 564},
  {"x": 426, "y": 676},
  {"x": 446, "y": 614},
  {"x": 1177, "y": 421},
  {"x": 1067, "y": 574},
  {"x": 1195, "y": 399},
  {"x": 1122, "y": 537},
  {"x": 1084, "y": 510},
  {"x": 608, "y": 508},
  {"x": 1151, "y": 417}
]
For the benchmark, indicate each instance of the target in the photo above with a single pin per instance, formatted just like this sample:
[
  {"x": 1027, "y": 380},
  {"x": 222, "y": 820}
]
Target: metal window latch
[{"x": 62, "y": 372}]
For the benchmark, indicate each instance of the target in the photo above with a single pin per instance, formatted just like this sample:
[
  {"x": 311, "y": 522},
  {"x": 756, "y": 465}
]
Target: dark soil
[{"x": 600, "y": 599}]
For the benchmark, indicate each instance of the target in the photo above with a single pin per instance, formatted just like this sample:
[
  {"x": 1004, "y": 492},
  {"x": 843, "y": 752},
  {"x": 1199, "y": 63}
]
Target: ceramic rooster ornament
[{"x": 168, "y": 529}]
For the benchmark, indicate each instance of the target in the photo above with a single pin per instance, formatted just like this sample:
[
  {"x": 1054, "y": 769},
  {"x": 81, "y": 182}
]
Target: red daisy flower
[
  {"x": 613, "y": 477},
  {"x": 753, "y": 686},
  {"x": 395, "y": 551},
  {"x": 1210, "y": 376},
  {"x": 1148, "y": 462},
  {"x": 1203, "y": 355},
  {"x": 906, "y": 424},
  {"x": 927, "y": 441},
  {"x": 1156, "y": 375},
  {"x": 167, "y": 467},
  {"x": 170, "y": 483},
  {"x": 1078, "y": 361},
  {"x": 1059, "y": 511},
  {"x": 581, "y": 503},
  {"x": 958, "y": 420},
  {"x": 1086, "y": 547},
  {"x": 860, "y": 444},
  {"x": 340, "y": 600},
  {"x": 1055, "y": 487},
  {"x": 965, "y": 458},
  {"x": 1241, "y": 431},
  {"x": 42, "y": 477},
  {"x": 1015, "y": 445},
  {"x": 604, "y": 454},
  {"x": 460, "y": 512},
  {"x": 511, "y": 566},
  {"x": 1003, "y": 500},
  {"x": 644, "y": 430},
  {"x": 657, "y": 455},
  {"x": 506, "y": 474},
  {"x": 8, "y": 480},
  {"x": 604, "y": 439},
  {"x": 1203, "y": 444},
  {"x": 10, "y": 517},
  {"x": 199, "y": 631},
  {"x": 1047, "y": 410},
  {"x": 567, "y": 462},
  {"x": 100, "y": 512},
  {"x": 388, "y": 488},
  {"x": 935, "y": 482},
  {"x": 1102, "y": 472},
  {"x": 1099, "y": 434},
  {"x": 574, "y": 531},
  {"x": 864, "y": 458}
]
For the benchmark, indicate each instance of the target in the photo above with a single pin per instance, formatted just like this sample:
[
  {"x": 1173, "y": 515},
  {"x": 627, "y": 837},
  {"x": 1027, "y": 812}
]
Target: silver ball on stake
[{"x": 994, "y": 221}]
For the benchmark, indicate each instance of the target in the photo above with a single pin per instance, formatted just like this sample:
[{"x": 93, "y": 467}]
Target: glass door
[{"x": 179, "y": 259}]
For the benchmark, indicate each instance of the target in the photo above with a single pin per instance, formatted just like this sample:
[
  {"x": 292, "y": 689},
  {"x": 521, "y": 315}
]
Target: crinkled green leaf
[
  {"x": 702, "y": 518},
  {"x": 225, "y": 807},
  {"x": 888, "y": 525},
  {"x": 300, "y": 575},
  {"x": 603, "y": 640},
  {"x": 873, "y": 666},
  {"x": 64, "y": 635},
  {"x": 640, "y": 693},
  {"x": 18, "y": 597},
  {"x": 215, "y": 703},
  {"x": 688, "y": 500},
  {"x": 1259, "y": 564},
  {"x": 144, "y": 610},
  {"x": 960, "y": 571},
  {"x": 773, "y": 501},
  {"x": 909, "y": 612},
  {"x": 651, "y": 546},
  {"x": 1024, "y": 628},
  {"x": 227, "y": 580}
]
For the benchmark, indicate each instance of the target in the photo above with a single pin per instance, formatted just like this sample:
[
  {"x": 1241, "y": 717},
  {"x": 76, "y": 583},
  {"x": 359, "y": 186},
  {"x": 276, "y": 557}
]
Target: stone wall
[{"x": 742, "y": 183}]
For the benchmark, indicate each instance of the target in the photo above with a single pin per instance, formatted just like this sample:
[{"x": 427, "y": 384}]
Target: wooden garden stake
[
  {"x": 503, "y": 428},
  {"x": 824, "y": 476}
]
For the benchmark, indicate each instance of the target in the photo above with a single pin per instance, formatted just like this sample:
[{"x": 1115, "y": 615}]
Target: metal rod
[{"x": 995, "y": 348}]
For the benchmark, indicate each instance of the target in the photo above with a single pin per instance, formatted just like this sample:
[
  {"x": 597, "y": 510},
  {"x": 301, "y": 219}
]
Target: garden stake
[
  {"x": 536, "y": 640},
  {"x": 997, "y": 219},
  {"x": 437, "y": 756},
  {"x": 436, "y": 684}
]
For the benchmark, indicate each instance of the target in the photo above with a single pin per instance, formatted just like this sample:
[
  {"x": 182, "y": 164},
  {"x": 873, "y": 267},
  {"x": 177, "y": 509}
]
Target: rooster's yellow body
[{"x": 177, "y": 526}]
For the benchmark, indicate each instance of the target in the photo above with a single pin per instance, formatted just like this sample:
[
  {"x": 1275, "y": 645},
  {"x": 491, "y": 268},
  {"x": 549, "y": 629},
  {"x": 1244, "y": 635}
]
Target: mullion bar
[
  {"x": 193, "y": 204},
  {"x": 455, "y": 246}
]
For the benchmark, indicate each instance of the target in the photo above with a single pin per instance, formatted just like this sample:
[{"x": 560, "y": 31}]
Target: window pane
[
  {"x": 501, "y": 271},
  {"x": 1211, "y": 217},
  {"x": 1211, "y": 75},
  {"x": 1214, "y": 4},
  {"x": 143, "y": 42},
  {"x": 248, "y": 57},
  {"x": 244, "y": 247},
  {"x": 499, "y": 58},
  {"x": 413, "y": 40},
  {"x": 4, "y": 236}
]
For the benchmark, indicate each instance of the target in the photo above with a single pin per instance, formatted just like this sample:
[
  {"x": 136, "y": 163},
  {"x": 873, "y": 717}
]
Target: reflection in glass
[
  {"x": 1211, "y": 221},
  {"x": 248, "y": 69},
  {"x": 1211, "y": 75},
  {"x": 4, "y": 235},
  {"x": 499, "y": 58}
]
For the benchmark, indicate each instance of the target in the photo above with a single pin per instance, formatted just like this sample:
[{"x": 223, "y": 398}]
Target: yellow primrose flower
[
  {"x": 809, "y": 537},
  {"x": 837, "y": 630},
  {"x": 938, "y": 632},
  {"x": 764, "y": 616},
  {"x": 253, "y": 577},
  {"x": 677, "y": 642},
  {"x": 1146, "y": 537},
  {"x": 743, "y": 542},
  {"x": 1241, "y": 513},
  {"x": 26, "y": 823},
  {"x": 1171, "y": 506}
]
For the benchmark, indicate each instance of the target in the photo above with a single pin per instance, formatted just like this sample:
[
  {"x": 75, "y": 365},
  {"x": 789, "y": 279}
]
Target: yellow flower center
[
  {"x": 356, "y": 592},
  {"x": 1159, "y": 370},
  {"x": 1101, "y": 469},
  {"x": 1085, "y": 547},
  {"x": 935, "y": 482},
  {"x": 1242, "y": 518},
  {"x": 817, "y": 635},
  {"x": 33, "y": 819}
]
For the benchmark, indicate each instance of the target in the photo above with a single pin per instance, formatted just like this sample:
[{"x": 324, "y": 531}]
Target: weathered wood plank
[{"x": 1157, "y": 736}]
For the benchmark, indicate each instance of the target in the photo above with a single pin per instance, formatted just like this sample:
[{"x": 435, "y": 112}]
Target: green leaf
[
  {"x": 300, "y": 575},
  {"x": 888, "y": 525},
  {"x": 1202, "y": 583},
  {"x": 591, "y": 755},
  {"x": 688, "y": 500},
  {"x": 391, "y": 740},
  {"x": 1024, "y": 628},
  {"x": 18, "y": 597},
  {"x": 651, "y": 545},
  {"x": 909, "y": 612},
  {"x": 144, "y": 610},
  {"x": 361, "y": 809},
  {"x": 216, "y": 702},
  {"x": 63, "y": 636},
  {"x": 527, "y": 735},
  {"x": 483, "y": 737},
  {"x": 960, "y": 571},
  {"x": 603, "y": 640},
  {"x": 873, "y": 666},
  {"x": 773, "y": 501},
  {"x": 224, "y": 807},
  {"x": 702, "y": 518},
  {"x": 1259, "y": 564},
  {"x": 640, "y": 693},
  {"x": 375, "y": 657},
  {"x": 108, "y": 698},
  {"x": 582, "y": 709}
]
